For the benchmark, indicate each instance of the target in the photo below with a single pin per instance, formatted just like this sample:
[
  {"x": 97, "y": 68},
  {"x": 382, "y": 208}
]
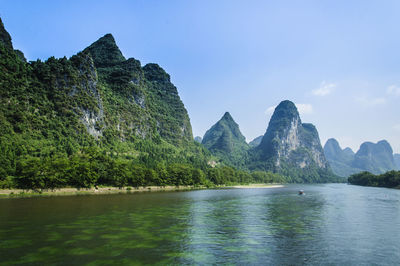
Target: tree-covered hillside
[
  {"x": 225, "y": 140},
  {"x": 97, "y": 118}
]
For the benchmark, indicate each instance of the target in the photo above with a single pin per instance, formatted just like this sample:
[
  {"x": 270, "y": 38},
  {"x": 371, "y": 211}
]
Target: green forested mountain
[
  {"x": 291, "y": 148},
  {"x": 225, "y": 140},
  {"x": 95, "y": 118},
  {"x": 99, "y": 118}
]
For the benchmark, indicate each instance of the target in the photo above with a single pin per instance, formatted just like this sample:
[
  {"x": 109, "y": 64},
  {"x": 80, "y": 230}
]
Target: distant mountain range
[{"x": 376, "y": 158}]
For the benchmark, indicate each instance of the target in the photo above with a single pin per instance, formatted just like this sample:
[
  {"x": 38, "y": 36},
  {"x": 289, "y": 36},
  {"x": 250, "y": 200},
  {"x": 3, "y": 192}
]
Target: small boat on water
[{"x": 301, "y": 192}]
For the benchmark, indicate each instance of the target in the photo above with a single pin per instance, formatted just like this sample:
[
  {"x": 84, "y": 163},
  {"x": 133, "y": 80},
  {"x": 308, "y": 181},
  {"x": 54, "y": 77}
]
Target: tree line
[
  {"x": 92, "y": 167},
  {"x": 390, "y": 179}
]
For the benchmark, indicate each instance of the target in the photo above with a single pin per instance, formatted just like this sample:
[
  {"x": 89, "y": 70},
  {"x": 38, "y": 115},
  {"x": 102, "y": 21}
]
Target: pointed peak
[
  {"x": 227, "y": 116},
  {"x": 108, "y": 37},
  {"x": 105, "y": 52},
  {"x": 5, "y": 37}
]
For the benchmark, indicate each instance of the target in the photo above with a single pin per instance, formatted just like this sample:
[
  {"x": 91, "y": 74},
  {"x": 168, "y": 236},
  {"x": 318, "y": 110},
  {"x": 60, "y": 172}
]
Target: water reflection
[{"x": 336, "y": 224}]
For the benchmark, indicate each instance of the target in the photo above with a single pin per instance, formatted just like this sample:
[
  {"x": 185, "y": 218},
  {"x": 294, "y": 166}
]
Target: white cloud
[
  {"x": 303, "y": 108},
  {"x": 367, "y": 101},
  {"x": 324, "y": 89},
  {"x": 393, "y": 90},
  {"x": 397, "y": 127}
]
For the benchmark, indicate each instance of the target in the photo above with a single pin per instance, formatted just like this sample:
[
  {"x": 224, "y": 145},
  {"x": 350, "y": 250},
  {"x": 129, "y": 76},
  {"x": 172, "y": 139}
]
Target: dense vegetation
[
  {"x": 225, "y": 141},
  {"x": 92, "y": 167},
  {"x": 389, "y": 179},
  {"x": 99, "y": 119}
]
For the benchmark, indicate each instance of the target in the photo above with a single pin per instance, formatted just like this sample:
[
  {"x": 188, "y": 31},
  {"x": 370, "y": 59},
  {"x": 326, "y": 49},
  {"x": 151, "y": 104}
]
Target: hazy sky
[{"x": 337, "y": 60}]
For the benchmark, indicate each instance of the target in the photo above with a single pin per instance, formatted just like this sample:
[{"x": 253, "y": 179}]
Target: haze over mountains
[{"x": 375, "y": 158}]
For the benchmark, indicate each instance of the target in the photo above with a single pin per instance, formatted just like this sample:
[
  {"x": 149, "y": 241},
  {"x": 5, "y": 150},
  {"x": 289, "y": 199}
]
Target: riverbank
[
  {"x": 17, "y": 193},
  {"x": 7, "y": 193},
  {"x": 258, "y": 186}
]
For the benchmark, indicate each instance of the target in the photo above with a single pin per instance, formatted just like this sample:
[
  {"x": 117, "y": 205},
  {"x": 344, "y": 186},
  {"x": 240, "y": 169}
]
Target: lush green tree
[{"x": 389, "y": 179}]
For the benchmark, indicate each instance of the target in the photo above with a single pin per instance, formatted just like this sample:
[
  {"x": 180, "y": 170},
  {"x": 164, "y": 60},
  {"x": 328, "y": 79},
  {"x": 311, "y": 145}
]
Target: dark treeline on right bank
[{"x": 389, "y": 179}]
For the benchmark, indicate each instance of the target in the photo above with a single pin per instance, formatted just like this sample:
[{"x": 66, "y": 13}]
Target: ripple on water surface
[{"x": 332, "y": 223}]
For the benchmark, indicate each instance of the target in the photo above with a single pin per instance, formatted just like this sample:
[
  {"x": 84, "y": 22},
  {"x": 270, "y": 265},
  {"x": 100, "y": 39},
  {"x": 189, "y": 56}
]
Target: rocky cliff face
[
  {"x": 290, "y": 146},
  {"x": 224, "y": 139},
  {"x": 150, "y": 102},
  {"x": 375, "y": 158},
  {"x": 98, "y": 93}
]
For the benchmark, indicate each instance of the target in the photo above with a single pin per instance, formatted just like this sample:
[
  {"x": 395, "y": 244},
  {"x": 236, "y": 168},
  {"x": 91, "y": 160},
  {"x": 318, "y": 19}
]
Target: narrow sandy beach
[
  {"x": 7, "y": 193},
  {"x": 258, "y": 186}
]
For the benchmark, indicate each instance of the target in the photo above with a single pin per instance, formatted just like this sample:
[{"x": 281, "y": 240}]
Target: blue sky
[{"x": 337, "y": 60}]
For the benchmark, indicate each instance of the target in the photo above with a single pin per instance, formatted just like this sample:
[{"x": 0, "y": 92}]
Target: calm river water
[{"x": 331, "y": 224}]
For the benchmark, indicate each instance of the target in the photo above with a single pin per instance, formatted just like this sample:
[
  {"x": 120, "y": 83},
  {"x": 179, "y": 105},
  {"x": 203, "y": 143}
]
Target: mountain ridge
[{"x": 376, "y": 158}]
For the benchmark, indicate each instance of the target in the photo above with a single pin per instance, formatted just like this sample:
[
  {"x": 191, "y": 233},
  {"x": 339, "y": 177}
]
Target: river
[{"x": 335, "y": 224}]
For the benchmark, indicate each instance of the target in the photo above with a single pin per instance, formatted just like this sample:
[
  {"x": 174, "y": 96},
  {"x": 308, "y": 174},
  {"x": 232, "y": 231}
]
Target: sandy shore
[
  {"x": 5, "y": 193},
  {"x": 258, "y": 186}
]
